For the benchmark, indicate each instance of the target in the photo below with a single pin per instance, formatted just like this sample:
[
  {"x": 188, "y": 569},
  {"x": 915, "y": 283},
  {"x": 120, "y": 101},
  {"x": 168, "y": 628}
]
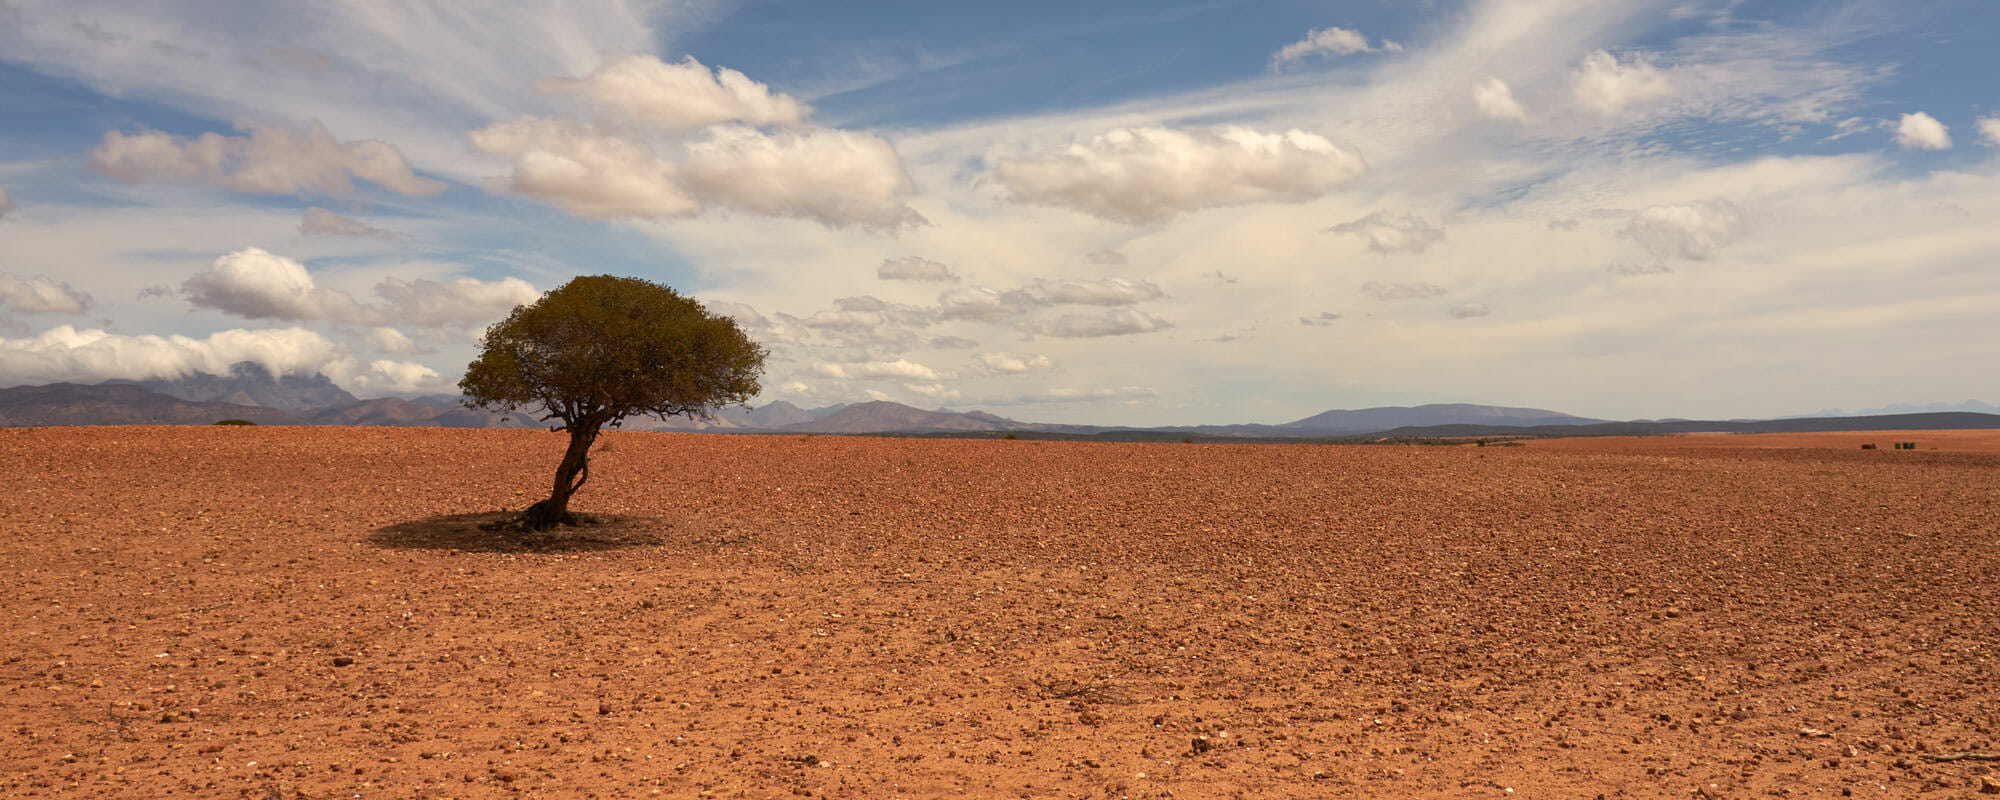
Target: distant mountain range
[{"x": 251, "y": 393}]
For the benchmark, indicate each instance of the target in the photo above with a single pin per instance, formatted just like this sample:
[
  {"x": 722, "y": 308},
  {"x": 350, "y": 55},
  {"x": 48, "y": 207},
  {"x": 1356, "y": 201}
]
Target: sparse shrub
[
  {"x": 1187, "y": 440},
  {"x": 234, "y": 422},
  {"x": 1011, "y": 436}
]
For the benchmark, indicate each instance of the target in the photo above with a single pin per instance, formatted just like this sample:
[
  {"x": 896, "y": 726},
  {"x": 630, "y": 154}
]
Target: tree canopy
[{"x": 601, "y": 349}]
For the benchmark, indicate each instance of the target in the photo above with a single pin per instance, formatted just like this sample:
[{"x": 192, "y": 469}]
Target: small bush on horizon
[{"x": 234, "y": 422}]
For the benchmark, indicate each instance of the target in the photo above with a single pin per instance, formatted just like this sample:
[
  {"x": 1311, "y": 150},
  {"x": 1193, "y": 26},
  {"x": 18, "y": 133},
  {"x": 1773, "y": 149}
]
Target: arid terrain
[{"x": 265, "y": 612}]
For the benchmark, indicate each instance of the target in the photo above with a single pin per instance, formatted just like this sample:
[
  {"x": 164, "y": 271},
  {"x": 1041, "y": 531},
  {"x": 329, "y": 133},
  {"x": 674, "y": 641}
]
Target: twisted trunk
[{"x": 575, "y": 469}]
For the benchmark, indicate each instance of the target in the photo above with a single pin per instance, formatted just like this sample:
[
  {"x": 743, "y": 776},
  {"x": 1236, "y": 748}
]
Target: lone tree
[{"x": 600, "y": 349}]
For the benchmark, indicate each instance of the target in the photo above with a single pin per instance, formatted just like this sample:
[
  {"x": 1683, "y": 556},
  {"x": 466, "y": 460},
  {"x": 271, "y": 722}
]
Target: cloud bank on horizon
[{"x": 1621, "y": 210}]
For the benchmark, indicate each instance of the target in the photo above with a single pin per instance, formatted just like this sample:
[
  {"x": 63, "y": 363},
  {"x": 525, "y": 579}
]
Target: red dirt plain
[{"x": 875, "y": 618}]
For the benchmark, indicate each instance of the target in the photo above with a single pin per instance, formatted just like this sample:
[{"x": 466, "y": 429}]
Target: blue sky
[{"x": 1113, "y": 212}]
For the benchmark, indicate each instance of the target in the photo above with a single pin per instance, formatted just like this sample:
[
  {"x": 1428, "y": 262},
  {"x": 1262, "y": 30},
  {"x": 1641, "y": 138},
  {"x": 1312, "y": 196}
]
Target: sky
[{"x": 1117, "y": 213}]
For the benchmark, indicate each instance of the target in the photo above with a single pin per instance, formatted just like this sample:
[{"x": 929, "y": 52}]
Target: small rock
[
  {"x": 1201, "y": 744},
  {"x": 1988, "y": 785},
  {"x": 342, "y": 661},
  {"x": 1814, "y": 733}
]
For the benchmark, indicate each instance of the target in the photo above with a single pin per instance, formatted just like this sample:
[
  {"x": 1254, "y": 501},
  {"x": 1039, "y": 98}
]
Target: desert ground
[{"x": 315, "y": 612}]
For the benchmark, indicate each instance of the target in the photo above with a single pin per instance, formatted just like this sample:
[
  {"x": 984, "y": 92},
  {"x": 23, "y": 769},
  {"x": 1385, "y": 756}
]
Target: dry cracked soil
[{"x": 272, "y": 613}]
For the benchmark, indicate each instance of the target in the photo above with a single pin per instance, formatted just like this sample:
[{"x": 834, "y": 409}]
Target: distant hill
[
  {"x": 1949, "y": 420},
  {"x": 1368, "y": 420},
  {"x": 882, "y": 416},
  {"x": 400, "y": 413},
  {"x": 120, "y": 404},
  {"x": 249, "y": 392},
  {"x": 249, "y": 384}
]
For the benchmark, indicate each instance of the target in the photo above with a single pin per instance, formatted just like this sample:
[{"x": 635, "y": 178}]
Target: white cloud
[
  {"x": 587, "y": 173},
  {"x": 40, "y": 295},
  {"x": 1388, "y": 232},
  {"x": 390, "y": 340},
  {"x": 64, "y": 353},
  {"x": 1142, "y": 175},
  {"x": 1605, "y": 85},
  {"x": 1470, "y": 310},
  {"x": 272, "y": 159},
  {"x": 877, "y": 370},
  {"x": 256, "y": 284},
  {"x": 321, "y": 221},
  {"x": 1495, "y": 100},
  {"x": 1327, "y": 42},
  {"x": 1921, "y": 131},
  {"x": 459, "y": 301},
  {"x": 1114, "y": 322},
  {"x": 1107, "y": 292},
  {"x": 1401, "y": 291},
  {"x": 981, "y": 304},
  {"x": 1012, "y": 364},
  {"x": 384, "y": 377},
  {"x": 679, "y": 98},
  {"x": 834, "y": 177},
  {"x": 830, "y": 176},
  {"x": 913, "y": 268},
  {"x": 1989, "y": 127},
  {"x": 1696, "y": 231}
]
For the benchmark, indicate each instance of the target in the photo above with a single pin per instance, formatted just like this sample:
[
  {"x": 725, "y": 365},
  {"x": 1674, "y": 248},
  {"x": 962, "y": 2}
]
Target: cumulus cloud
[
  {"x": 40, "y": 295},
  {"x": 587, "y": 173},
  {"x": 1113, "y": 322},
  {"x": 1921, "y": 131},
  {"x": 384, "y": 377},
  {"x": 321, "y": 221},
  {"x": 256, "y": 284},
  {"x": 1696, "y": 231},
  {"x": 456, "y": 301},
  {"x": 992, "y": 305},
  {"x": 67, "y": 354},
  {"x": 1469, "y": 310},
  {"x": 1107, "y": 292},
  {"x": 1142, "y": 175},
  {"x": 834, "y": 177},
  {"x": 1328, "y": 42},
  {"x": 1494, "y": 100},
  {"x": 877, "y": 370},
  {"x": 1605, "y": 85},
  {"x": 1392, "y": 233},
  {"x": 1989, "y": 127},
  {"x": 271, "y": 159},
  {"x": 1401, "y": 291},
  {"x": 1011, "y": 364},
  {"x": 982, "y": 304},
  {"x": 913, "y": 268},
  {"x": 390, "y": 340},
  {"x": 1325, "y": 319},
  {"x": 830, "y": 176},
  {"x": 679, "y": 98}
]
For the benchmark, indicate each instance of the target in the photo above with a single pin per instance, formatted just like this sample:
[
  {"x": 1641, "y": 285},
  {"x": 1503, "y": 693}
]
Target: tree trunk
[{"x": 575, "y": 469}]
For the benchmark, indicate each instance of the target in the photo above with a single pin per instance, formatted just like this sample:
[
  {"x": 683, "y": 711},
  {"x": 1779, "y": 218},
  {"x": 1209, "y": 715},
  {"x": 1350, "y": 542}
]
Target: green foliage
[
  {"x": 600, "y": 349},
  {"x": 234, "y": 422}
]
